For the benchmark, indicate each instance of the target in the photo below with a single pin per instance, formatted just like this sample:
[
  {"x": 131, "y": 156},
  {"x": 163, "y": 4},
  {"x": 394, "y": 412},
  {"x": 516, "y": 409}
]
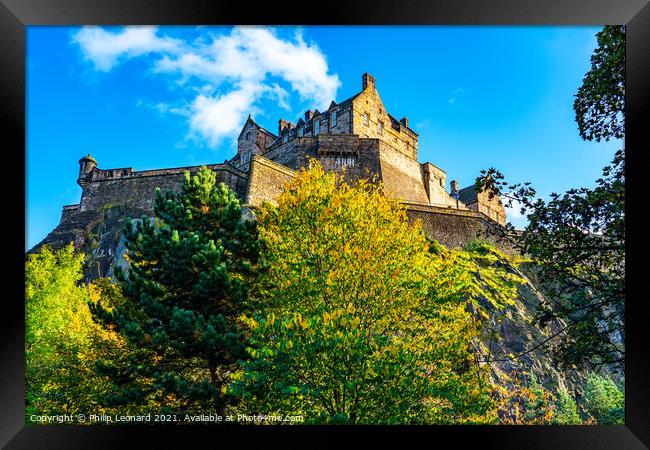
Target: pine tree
[{"x": 187, "y": 282}]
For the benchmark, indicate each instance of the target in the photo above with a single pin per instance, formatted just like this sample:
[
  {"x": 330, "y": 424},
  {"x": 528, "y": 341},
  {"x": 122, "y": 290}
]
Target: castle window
[
  {"x": 316, "y": 127},
  {"x": 380, "y": 128},
  {"x": 248, "y": 135},
  {"x": 301, "y": 132},
  {"x": 333, "y": 118},
  {"x": 285, "y": 138},
  {"x": 366, "y": 119}
]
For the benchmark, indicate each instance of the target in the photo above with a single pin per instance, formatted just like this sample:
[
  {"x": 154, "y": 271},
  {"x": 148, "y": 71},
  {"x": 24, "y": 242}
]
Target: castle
[{"x": 357, "y": 134}]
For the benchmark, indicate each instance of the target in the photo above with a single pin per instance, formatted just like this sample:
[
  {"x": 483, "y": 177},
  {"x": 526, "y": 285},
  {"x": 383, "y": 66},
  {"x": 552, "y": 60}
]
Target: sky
[{"x": 156, "y": 97}]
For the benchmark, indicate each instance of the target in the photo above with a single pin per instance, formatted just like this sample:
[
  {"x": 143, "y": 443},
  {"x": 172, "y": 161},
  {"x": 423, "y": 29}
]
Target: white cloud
[
  {"x": 218, "y": 117},
  {"x": 227, "y": 75},
  {"x": 104, "y": 48}
]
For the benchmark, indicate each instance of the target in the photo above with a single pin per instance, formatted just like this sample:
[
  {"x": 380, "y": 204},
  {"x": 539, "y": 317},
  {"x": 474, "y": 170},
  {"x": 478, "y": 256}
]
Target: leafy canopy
[
  {"x": 62, "y": 341},
  {"x": 357, "y": 321}
]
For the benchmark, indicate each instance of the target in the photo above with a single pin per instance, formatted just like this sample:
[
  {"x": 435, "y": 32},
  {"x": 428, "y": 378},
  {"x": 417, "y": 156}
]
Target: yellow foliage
[{"x": 364, "y": 309}]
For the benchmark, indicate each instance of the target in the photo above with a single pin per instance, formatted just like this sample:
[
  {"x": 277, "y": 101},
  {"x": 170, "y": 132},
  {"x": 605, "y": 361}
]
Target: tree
[
  {"x": 62, "y": 341},
  {"x": 527, "y": 402},
  {"x": 577, "y": 238},
  {"x": 599, "y": 104},
  {"x": 187, "y": 282},
  {"x": 357, "y": 321},
  {"x": 566, "y": 410},
  {"x": 603, "y": 401}
]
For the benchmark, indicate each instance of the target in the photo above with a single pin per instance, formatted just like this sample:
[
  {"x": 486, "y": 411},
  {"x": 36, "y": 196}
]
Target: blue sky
[{"x": 175, "y": 96}]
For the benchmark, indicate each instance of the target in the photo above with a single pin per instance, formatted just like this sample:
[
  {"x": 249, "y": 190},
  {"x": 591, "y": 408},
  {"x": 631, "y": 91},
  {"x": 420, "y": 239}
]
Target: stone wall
[
  {"x": 266, "y": 180},
  {"x": 252, "y": 140},
  {"x": 343, "y": 120},
  {"x": 435, "y": 181},
  {"x": 137, "y": 190},
  {"x": 68, "y": 211},
  {"x": 455, "y": 228},
  {"x": 401, "y": 176},
  {"x": 493, "y": 208},
  {"x": 393, "y": 133},
  {"x": 293, "y": 154}
]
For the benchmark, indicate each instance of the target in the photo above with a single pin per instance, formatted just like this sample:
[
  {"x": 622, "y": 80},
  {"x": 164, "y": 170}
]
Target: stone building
[{"x": 357, "y": 134}]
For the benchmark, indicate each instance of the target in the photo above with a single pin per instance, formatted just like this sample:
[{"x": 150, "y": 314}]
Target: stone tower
[{"x": 86, "y": 166}]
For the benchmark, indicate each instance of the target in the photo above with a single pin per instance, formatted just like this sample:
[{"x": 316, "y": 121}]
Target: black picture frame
[{"x": 15, "y": 15}]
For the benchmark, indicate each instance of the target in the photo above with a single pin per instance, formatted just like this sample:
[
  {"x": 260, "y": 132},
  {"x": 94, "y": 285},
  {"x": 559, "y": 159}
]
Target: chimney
[
  {"x": 454, "y": 188},
  {"x": 308, "y": 115},
  {"x": 404, "y": 121},
  {"x": 282, "y": 124},
  {"x": 367, "y": 80}
]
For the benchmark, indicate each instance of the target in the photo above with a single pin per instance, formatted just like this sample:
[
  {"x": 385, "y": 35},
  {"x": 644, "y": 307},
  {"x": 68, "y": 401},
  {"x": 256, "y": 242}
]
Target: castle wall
[
  {"x": 266, "y": 180},
  {"x": 68, "y": 211},
  {"x": 295, "y": 153},
  {"x": 401, "y": 176},
  {"x": 454, "y": 228},
  {"x": 137, "y": 191},
  {"x": 493, "y": 208},
  {"x": 359, "y": 157},
  {"x": 434, "y": 180}
]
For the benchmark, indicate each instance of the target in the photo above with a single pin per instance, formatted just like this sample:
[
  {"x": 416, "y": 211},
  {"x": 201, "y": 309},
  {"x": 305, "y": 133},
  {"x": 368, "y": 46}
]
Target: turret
[{"x": 86, "y": 166}]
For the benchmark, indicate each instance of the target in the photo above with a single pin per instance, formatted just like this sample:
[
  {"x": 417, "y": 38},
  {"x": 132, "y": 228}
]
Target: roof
[
  {"x": 468, "y": 195},
  {"x": 88, "y": 158},
  {"x": 261, "y": 128},
  {"x": 347, "y": 101},
  {"x": 400, "y": 124}
]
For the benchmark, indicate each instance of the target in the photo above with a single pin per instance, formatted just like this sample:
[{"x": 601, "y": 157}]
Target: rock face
[{"x": 523, "y": 347}]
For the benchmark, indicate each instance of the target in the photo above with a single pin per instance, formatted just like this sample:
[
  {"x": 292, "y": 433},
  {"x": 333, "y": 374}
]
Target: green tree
[
  {"x": 577, "y": 239},
  {"x": 566, "y": 410},
  {"x": 603, "y": 401},
  {"x": 357, "y": 321},
  {"x": 62, "y": 341},
  {"x": 187, "y": 282},
  {"x": 599, "y": 104}
]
